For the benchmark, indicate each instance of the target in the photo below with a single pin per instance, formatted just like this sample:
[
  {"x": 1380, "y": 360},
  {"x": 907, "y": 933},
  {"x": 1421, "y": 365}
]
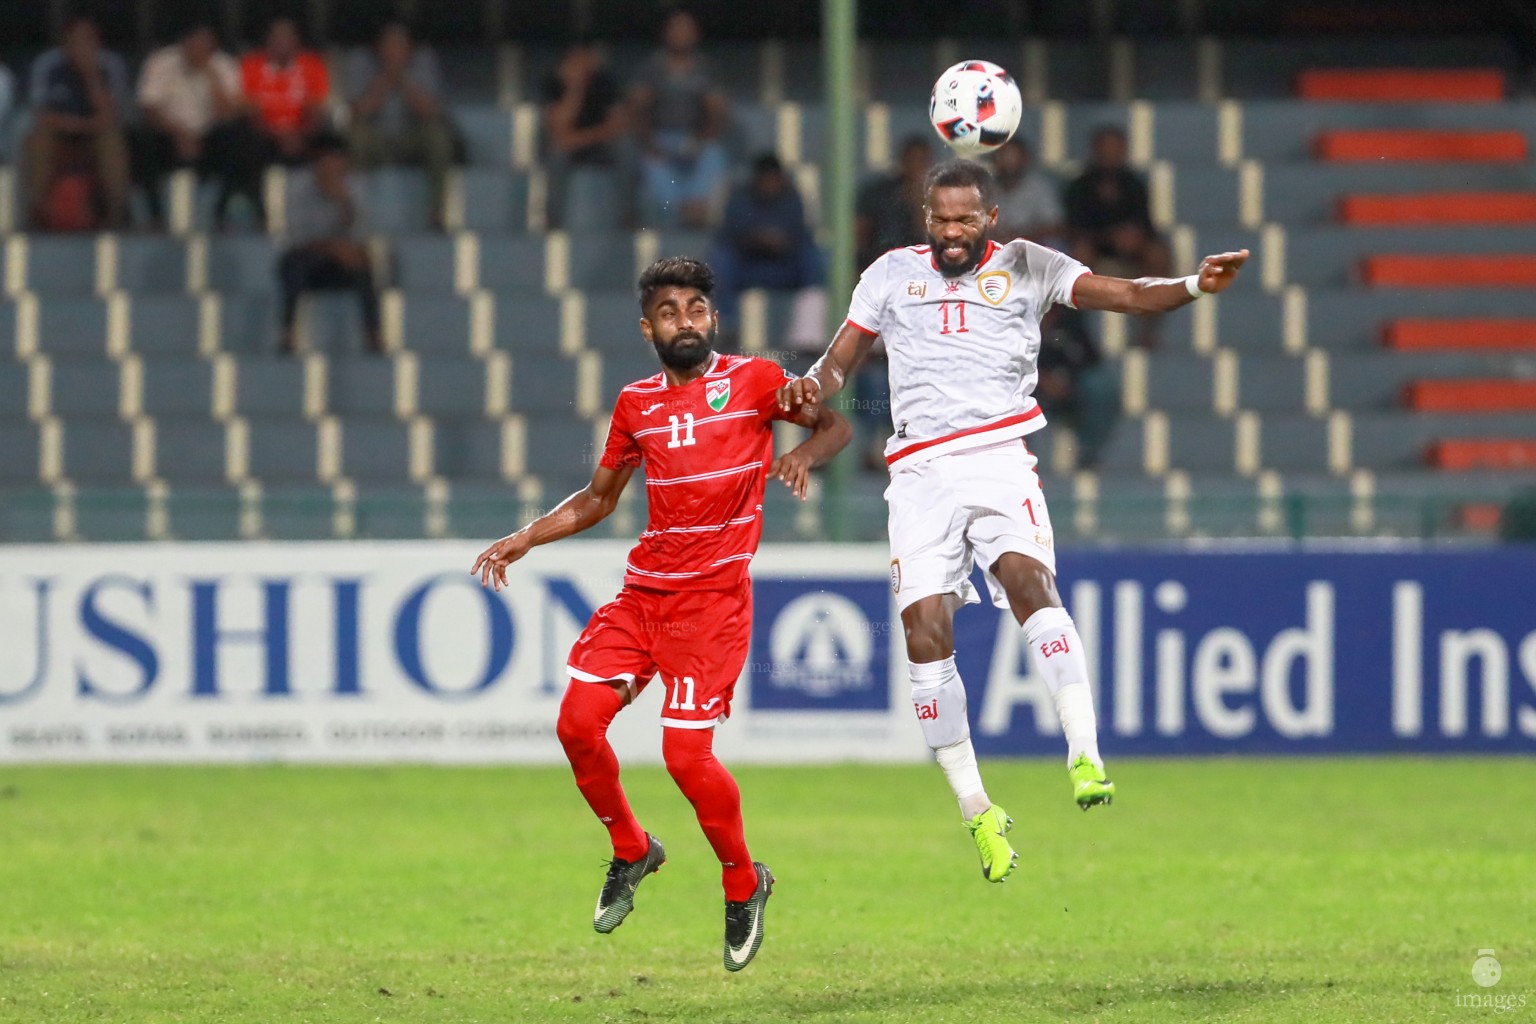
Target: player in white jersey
[{"x": 961, "y": 322}]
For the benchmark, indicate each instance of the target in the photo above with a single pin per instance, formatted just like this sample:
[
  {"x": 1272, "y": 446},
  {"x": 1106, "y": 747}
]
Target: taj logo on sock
[
  {"x": 1057, "y": 646},
  {"x": 927, "y": 712},
  {"x": 717, "y": 393}
]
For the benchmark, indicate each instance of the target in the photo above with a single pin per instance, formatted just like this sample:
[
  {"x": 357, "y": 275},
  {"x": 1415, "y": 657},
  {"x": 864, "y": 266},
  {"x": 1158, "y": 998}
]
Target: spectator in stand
[
  {"x": 889, "y": 210},
  {"x": 80, "y": 93},
  {"x": 764, "y": 241},
  {"x": 584, "y": 127},
  {"x": 327, "y": 231},
  {"x": 397, "y": 110},
  {"x": 680, "y": 116},
  {"x": 286, "y": 87},
  {"x": 194, "y": 116},
  {"x": 1109, "y": 221},
  {"x": 1028, "y": 199},
  {"x": 1076, "y": 386}
]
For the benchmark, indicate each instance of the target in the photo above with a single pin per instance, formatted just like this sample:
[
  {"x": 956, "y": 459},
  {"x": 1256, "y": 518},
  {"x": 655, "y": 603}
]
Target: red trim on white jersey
[
  {"x": 862, "y": 329},
  {"x": 972, "y": 436},
  {"x": 1072, "y": 295}
]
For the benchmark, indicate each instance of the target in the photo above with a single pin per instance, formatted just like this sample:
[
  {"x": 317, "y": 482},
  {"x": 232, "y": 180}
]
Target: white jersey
[{"x": 962, "y": 350}]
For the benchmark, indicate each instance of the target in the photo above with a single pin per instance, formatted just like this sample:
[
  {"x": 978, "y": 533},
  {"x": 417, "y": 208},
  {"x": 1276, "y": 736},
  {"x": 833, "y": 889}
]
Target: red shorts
[{"x": 696, "y": 639}]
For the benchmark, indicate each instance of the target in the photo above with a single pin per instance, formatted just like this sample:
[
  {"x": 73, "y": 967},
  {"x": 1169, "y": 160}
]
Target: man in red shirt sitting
[{"x": 286, "y": 87}]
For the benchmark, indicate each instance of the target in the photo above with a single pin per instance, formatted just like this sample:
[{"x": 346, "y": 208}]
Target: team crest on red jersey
[{"x": 717, "y": 393}]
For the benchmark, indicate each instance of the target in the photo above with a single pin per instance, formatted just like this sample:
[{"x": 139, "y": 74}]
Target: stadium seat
[
  {"x": 110, "y": 513},
  {"x": 165, "y": 325},
  {"x": 360, "y": 386},
  {"x": 514, "y": 264},
  {"x": 603, "y": 261},
  {"x": 1513, "y": 454},
  {"x": 177, "y": 387},
  {"x": 389, "y": 511},
  {"x": 1511, "y": 334},
  {"x": 242, "y": 263},
  {"x": 147, "y": 265},
  {"x": 283, "y": 450},
  {"x": 1443, "y": 271},
  {"x": 1422, "y": 145},
  {"x": 21, "y": 443},
  {"x": 468, "y": 449},
  {"x": 452, "y": 388},
  {"x": 543, "y": 386},
  {"x": 292, "y": 512},
  {"x": 61, "y": 264},
  {"x": 1440, "y": 208},
  {"x": 203, "y": 511},
  {"x": 375, "y": 449},
  {"x": 269, "y": 387},
  {"x": 98, "y": 450},
  {"x": 90, "y": 388},
  {"x": 435, "y": 323},
  {"x": 72, "y": 327},
  {"x": 190, "y": 450},
  {"x": 1396, "y": 85},
  {"x": 1485, "y": 395},
  {"x": 495, "y": 199}
]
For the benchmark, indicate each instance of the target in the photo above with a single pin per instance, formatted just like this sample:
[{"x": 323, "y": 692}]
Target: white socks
[
  {"x": 938, "y": 696},
  {"x": 1057, "y": 651}
]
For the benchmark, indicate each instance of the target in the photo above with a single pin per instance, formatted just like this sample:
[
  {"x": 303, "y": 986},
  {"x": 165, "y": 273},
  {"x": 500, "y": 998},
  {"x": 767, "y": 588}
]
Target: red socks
[
  {"x": 690, "y": 756},
  {"x": 585, "y": 713}
]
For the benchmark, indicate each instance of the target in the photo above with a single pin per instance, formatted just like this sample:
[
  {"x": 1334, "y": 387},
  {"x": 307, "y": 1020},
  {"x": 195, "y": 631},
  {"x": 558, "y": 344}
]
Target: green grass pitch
[{"x": 1256, "y": 890}]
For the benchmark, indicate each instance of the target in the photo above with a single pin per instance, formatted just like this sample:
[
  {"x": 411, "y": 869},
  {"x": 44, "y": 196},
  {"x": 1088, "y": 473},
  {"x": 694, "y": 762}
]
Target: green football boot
[
  {"x": 1089, "y": 786},
  {"x": 744, "y": 921},
  {"x": 617, "y": 898},
  {"x": 989, "y": 829}
]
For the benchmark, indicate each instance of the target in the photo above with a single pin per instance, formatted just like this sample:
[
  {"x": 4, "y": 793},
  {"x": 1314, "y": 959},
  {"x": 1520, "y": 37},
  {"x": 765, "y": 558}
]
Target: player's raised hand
[
  {"x": 795, "y": 470},
  {"x": 798, "y": 392},
  {"x": 492, "y": 564},
  {"x": 1216, "y": 272}
]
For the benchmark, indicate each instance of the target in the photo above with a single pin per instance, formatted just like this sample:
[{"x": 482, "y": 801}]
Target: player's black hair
[
  {"x": 963, "y": 174},
  {"x": 675, "y": 272}
]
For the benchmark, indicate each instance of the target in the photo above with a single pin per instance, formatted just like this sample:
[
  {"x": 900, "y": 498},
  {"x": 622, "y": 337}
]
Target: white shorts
[{"x": 955, "y": 510}]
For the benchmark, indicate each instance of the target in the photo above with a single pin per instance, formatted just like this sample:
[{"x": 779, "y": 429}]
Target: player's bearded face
[
  {"x": 957, "y": 229},
  {"x": 687, "y": 348}
]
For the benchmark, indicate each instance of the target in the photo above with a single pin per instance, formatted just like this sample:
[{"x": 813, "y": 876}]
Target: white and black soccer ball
[{"x": 975, "y": 107}]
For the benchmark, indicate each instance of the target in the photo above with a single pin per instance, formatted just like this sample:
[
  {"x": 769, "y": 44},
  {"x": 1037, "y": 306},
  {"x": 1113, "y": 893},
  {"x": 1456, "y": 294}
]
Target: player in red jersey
[{"x": 703, "y": 428}]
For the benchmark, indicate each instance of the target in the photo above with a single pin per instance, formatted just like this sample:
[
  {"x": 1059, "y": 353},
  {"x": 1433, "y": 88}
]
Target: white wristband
[{"x": 1192, "y": 282}]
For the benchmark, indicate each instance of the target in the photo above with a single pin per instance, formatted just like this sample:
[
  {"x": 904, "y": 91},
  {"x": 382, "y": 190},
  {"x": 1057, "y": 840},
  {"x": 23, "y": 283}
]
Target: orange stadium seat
[
  {"x": 1402, "y": 85},
  {"x": 1466, "y": 454},
  {"x": 1421, "y": 335},
  {"x": 1440, "y": 208},
  {"x": 1483, "y": 517},
  {"x": 1405, "y": 145},
  {"x": 1488, "y": 395},
  {"x": 1450, "y": 271}
]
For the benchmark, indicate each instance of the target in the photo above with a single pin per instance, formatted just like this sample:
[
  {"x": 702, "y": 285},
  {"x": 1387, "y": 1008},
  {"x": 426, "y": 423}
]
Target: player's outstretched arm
[
  {"x": 826, "y": 378},
  {"x": 586, "y": 508},
  {"x": 830, "y": 434},
  {"x": 1157, "y": 294}
]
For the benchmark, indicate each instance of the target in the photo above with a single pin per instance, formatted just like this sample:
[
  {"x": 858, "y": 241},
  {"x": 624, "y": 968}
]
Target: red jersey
[
  {"x": 280, "y": 94},
  {"x": 706, "y": 446}
]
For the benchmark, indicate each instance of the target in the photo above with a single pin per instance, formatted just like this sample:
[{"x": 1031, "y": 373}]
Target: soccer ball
[{"x": 975, "y": 107}]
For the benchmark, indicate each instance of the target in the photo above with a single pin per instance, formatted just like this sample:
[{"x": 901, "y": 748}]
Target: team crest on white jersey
[
  {"x": 717, "y": 393},
  {"x": 994, "y": 286}
]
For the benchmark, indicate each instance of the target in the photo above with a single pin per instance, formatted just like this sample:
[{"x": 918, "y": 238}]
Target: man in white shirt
[
  {"x": 194, "y": 117},
  {"x": 960, "y": 318}
]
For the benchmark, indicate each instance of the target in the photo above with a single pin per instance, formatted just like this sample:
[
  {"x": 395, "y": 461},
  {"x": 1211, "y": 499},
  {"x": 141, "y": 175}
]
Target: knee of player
[
  {"x": 683, "y": 749},
  {"x": 928, "y": 639}
]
